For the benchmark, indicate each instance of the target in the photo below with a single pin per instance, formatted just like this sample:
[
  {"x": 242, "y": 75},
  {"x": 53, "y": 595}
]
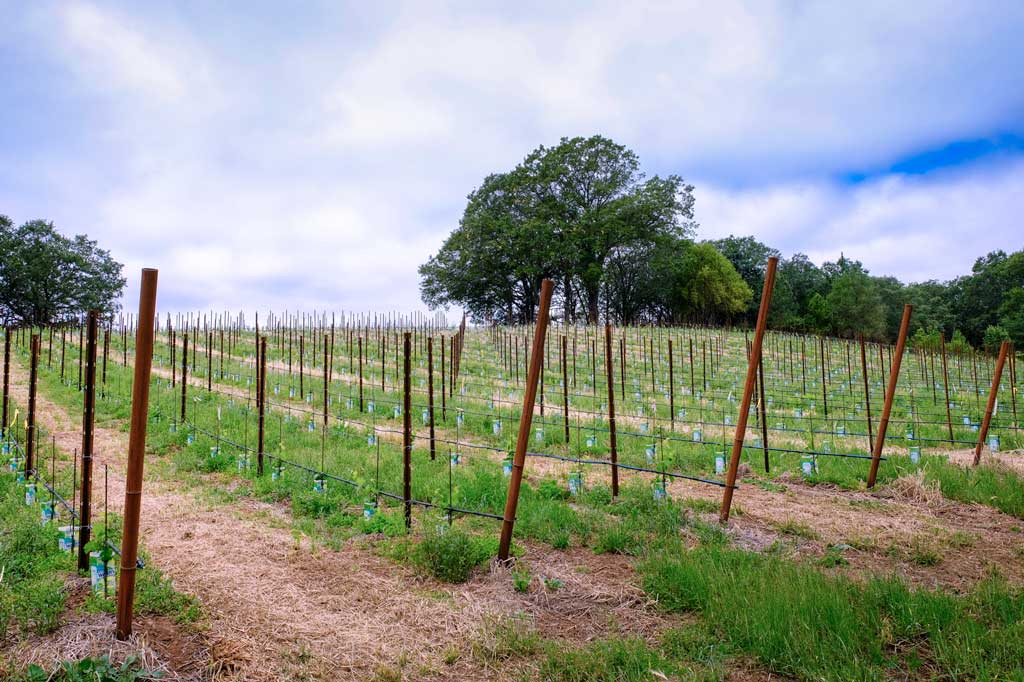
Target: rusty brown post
[
  {"x": 184, "y": 375},
  {"x": 997, "y": 376},
  {"x": 430, "y": 392},
  {"x": 407, "y": 430},
  {"x": 612, "y": 442},
  {"x": 88, "y": 419},
  {"x": 525, "y": 421},
  {"x": 30, "y": 431},
  {"x": 302, "y": 360},
  {"x": 748, "y": 389},
  {"x": 261, "y": 404},
  {"x": 890, "y": 392},
  {"x": 136, "y": 453}
]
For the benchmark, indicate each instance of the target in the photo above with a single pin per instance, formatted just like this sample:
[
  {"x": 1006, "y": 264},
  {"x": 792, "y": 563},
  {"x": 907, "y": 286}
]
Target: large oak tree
[{"x": 46, "y": 277}]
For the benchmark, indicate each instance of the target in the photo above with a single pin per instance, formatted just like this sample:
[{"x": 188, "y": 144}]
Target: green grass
[
  {"x": 997, "y": 487},
  {"x": 800, "y": 622},
  {"x": 32, "y": 590}
]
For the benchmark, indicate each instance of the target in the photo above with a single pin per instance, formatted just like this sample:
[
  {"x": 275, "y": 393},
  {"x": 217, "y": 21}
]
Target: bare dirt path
[{"x": 279, "y": 608}]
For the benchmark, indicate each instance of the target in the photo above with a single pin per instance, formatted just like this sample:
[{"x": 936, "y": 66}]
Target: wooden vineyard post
[
  {"x": 945, "y": 386},
  {"x": 444, "y": 404},
  {"x": 7, "y": 376},
  {"x": 993, "y": 392},
  {"x": 867, "y": 392},
  {"x": 565, "y": 387},
  {"x": 430, "y": 393},
  {"x": 525, "y": 422},
  {"x": 327, "y": 382},
  {"x": 671, "y": 388},
  {"x": 88, "y": 419},
  {"x": 136, "y": 452},
  {"x": 763, "y": 410},
  {"x": 748, "y": 389},
  {"x": 360, "y": 374},
  {"x": 407, "y": 429},
  {"x": 890, "y": 392},
  {"x": 821, "y": 361},
  {"x": 261, "y": 404},
  {"x": 184, "y": 375},
  {"x": 30, "y": 430},
  {"x": 612, "y": 443}
]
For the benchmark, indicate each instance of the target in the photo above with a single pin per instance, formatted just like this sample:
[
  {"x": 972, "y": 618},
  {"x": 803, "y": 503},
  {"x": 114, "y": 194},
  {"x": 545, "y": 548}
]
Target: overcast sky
[{"x": 313, "y": 154}]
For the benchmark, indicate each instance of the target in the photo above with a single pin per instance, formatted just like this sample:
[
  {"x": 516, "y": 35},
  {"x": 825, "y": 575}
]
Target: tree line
[{"x": 621, "y": 247}]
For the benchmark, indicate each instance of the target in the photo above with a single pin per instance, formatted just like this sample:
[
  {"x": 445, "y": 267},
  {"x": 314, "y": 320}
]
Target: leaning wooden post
[
  {"x": 407, "y": 429},
  {"x": 525, "y": 421},
  {"x": 748, "y": 389},
  {"x": 613, "y": 444},
  {"x": 88, "y": 419},
  {"x": 261, "y": 405},
  {"x": 30, "y": 430},
  {"x": 890, "y": 392},
  {"x": 184, "y": 375},
  {"x": 136, "y": 452},
  {"x": 993, "y": 392}
]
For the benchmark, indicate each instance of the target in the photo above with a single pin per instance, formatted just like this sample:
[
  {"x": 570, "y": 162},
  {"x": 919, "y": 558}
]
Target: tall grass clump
[{"x": 801, "y": 622}]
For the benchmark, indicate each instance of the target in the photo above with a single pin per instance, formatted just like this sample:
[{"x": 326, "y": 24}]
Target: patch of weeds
[
  {"x": 450, "y": 554},
  {"x": 553, "y": 584},
  {"x": 615, "y": 537},
  {"x": 862, "y": 543},
  {"x": 94, "y": 669},
  {"x": 770, "y": 486},
  {"x": 388, "y": 524},
  {"x": 833, "y": 558},
  {"x": 795, "y": 617},
  {"x": 628, "y": 659},
  {"x": 924, "y": 553},
  {"x": 961, "y": 539},
  {"x": 796, "y": 529},
  {"x": 521, "y": 578},
  {"x": 508, "y": 637},
  {"x": 451, "y": 655},
  {"x": 700, "y": 505}
]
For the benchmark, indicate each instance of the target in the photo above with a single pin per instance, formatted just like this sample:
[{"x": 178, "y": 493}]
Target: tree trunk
[{"x": 593, "y": 301}]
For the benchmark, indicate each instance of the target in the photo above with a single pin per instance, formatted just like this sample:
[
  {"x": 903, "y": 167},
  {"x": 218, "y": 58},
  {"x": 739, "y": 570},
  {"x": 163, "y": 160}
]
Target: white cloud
[{"x": 913, "y": 227}]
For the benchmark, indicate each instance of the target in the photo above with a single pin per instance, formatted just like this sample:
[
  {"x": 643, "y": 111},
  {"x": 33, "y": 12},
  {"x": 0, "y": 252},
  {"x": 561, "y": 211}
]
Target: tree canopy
[
  {"x": 46, "y": 277},
  {"x": 581, "y": 213}
]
